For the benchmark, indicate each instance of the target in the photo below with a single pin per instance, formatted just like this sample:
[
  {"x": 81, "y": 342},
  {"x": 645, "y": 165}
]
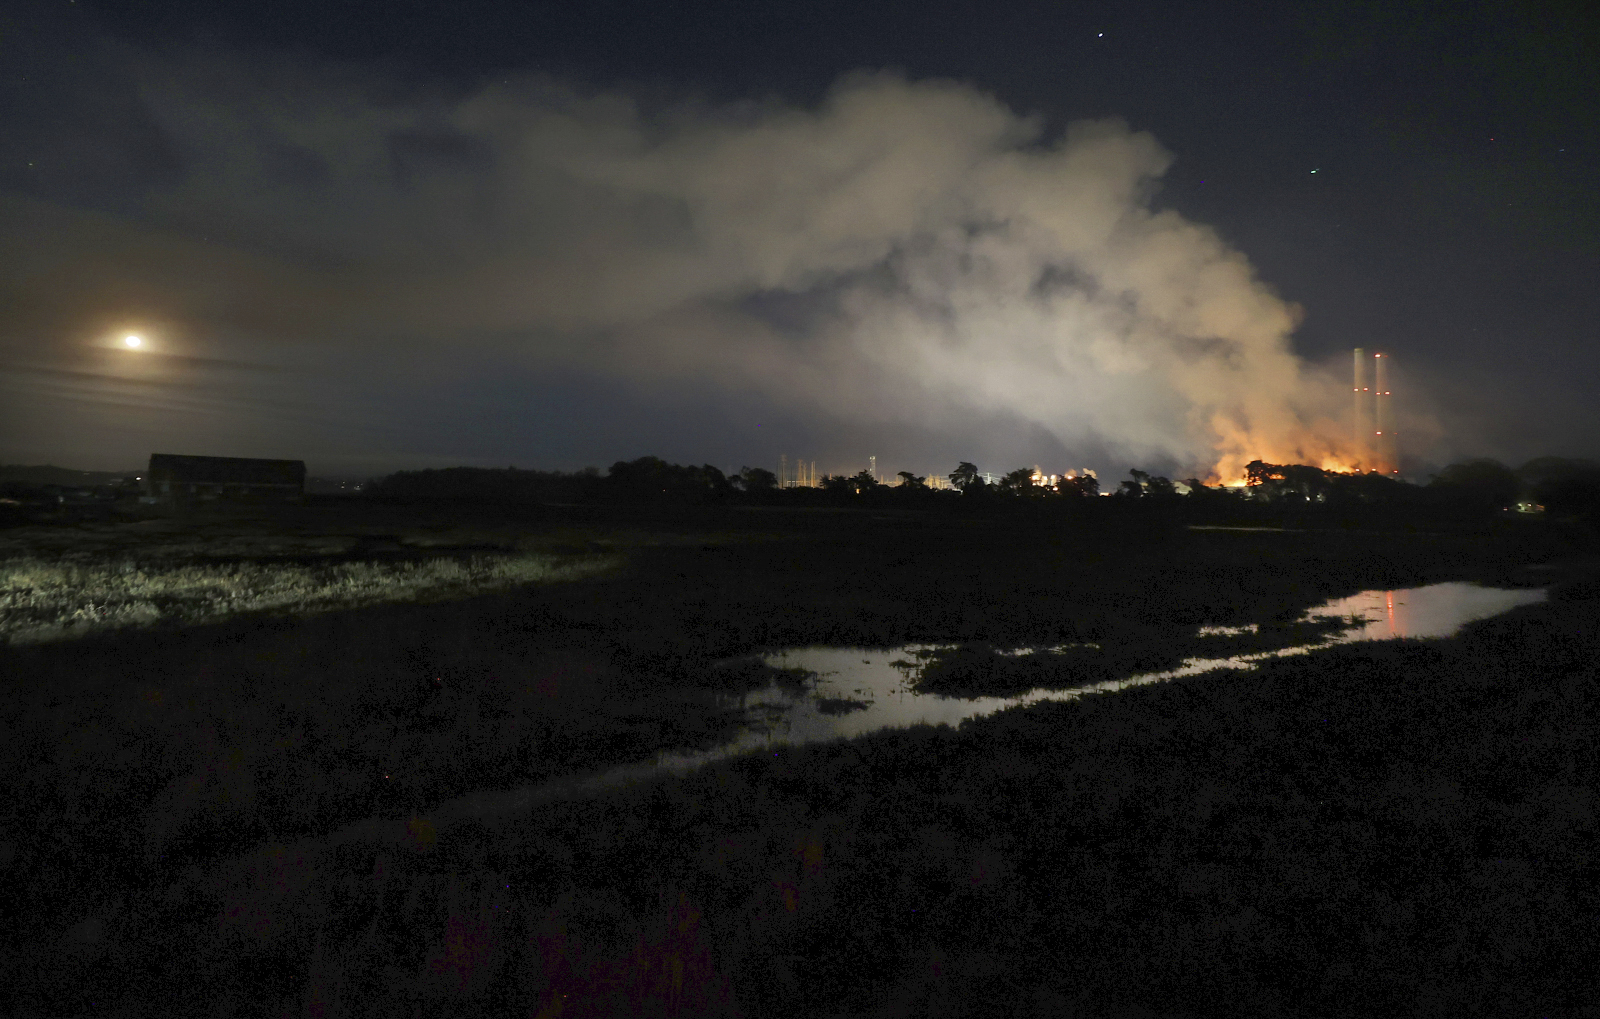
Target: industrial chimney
[
  {"x": 1363, "y": 426},
  {"x": 1385, "y": 446}
]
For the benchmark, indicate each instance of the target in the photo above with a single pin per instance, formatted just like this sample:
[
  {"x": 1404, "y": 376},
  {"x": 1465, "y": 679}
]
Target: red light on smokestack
[
  {"x": 1375, "y": 447},
  {"x": 1387, "y": 451}
]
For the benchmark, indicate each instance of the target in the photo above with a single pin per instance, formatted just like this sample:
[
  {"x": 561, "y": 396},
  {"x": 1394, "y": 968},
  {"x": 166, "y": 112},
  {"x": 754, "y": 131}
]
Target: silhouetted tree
[
  {"x": 1017, "y": 482},
  {"x": 1370, "y": 488},
  {"x": 1481, "y": 485},
  {"x": 1287, "y": 481},
  {"x": 1158, "y": 487},
  {"x": 1568, "y": 488},
  {"x": 485, "y": 485},
  {"x": 757, "y": 479},
  {"x": 864, "y": 482},
  {"x": 1083, "y": 485},
  {"x": 1144, "y": 484},
  {"x": 1310, "y": 483},
  {"x": 966, "y": 478},
  {"x": 651, "y": 479},
  {"x": 911, "y": 482},
  {"x": 838, "y": 484}
]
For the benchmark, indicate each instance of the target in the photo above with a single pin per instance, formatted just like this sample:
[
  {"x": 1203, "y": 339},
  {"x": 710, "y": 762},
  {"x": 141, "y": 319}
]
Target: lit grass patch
[{"x": 46, "y": 601}]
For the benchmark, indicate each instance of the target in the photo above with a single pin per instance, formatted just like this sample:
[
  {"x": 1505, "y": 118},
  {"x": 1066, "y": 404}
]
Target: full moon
[{"x": 132, "y": 340}]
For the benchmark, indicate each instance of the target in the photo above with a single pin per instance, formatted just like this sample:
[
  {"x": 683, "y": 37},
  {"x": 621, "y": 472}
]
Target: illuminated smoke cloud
[{"x": 903, "y": 252}]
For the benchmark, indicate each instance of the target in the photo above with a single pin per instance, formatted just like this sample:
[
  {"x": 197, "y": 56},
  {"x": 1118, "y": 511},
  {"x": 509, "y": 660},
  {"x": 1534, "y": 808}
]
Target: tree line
[{"x": 1569, "y": 488}]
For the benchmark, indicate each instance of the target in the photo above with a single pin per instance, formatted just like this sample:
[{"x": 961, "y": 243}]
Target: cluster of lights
[{"x": 1051, "y": 480}]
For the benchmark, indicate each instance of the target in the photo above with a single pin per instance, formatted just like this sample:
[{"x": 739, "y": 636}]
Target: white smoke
[{"x": 944, "y": 255}]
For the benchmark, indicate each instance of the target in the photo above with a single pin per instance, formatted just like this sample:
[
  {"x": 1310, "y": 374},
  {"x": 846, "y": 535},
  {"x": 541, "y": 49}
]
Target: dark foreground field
[{"x": 1401, "y": 829}]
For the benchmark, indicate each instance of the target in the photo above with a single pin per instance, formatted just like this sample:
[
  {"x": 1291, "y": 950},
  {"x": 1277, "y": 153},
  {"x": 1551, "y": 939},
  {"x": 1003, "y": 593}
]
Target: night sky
[{"x": 376, "y": 236}]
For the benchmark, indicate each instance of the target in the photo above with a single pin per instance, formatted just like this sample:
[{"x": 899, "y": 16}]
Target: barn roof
[{"x": 228, "y": 470}]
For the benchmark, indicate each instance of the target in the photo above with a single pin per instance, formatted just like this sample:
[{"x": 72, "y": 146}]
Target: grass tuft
[{"x": 41, "y": 600}]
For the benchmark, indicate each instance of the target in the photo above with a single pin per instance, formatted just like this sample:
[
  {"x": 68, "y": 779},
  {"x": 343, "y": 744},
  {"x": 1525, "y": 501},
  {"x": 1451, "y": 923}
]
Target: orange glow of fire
[
  {"x": 1338, "y": 465},
  {"x": 1326, "y": 445},
  {"x": 1331, "y": 464}
]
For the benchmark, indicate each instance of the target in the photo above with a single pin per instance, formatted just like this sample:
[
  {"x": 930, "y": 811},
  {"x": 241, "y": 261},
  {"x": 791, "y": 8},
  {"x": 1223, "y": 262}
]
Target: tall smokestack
[
  {"x": 1363, "y": 427},
  {"x": 1387, "y": 450}
]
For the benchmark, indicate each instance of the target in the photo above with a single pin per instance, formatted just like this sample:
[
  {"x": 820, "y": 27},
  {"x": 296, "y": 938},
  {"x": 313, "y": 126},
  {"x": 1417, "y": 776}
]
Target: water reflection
[
  {"x": 1436, "y": 611},
  {"x": 883, "y": 683},
  {"x": 858, "y": 691}
]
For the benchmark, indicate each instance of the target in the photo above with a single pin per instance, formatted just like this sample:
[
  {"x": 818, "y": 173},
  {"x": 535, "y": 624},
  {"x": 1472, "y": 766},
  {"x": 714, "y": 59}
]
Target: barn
[{"x": 186, "y": 479}]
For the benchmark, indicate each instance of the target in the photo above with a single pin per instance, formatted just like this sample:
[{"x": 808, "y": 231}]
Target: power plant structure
[
  {"x": 804, "y": 474},
  {"x": 1377, "y": 446}
]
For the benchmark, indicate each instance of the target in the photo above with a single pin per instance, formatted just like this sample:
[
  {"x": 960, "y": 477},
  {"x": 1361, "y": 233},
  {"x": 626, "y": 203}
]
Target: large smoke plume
[{"x": 900, "y": 252}]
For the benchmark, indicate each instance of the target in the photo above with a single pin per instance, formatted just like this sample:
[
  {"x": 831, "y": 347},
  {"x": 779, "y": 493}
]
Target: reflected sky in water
[
  {"x": 1435, "y": 611},
  {"x": 859, "y": 690},
  {"x": 869, "y": 690}
]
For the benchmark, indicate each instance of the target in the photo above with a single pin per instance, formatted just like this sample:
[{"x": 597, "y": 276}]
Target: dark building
[{"x": 173, "y": 478}]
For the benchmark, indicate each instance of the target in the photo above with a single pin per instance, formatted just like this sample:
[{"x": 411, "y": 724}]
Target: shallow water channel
[{"x": 859, "y": 690}]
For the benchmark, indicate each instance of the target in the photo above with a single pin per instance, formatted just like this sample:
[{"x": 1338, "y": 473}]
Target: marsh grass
[
  {"x": 1395, "y": 829},
  {"x": 42, "y": 600},
  {"x": 981, "y": 669},
  {"x": 752, "y": 672},
  {"x": 154, "y": 769},
  {"x": 840, "y": 705}
]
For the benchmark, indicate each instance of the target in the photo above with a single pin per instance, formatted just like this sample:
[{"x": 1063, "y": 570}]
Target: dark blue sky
[{"x": 1417, "y": 177}]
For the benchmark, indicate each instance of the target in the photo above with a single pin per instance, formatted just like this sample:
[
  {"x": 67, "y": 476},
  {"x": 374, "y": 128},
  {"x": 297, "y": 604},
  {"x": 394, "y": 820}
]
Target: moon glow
[{"x": 133, "y": 341}]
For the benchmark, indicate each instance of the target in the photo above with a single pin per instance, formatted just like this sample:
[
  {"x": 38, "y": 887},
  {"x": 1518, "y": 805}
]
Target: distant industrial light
[{"x": 133, "y": 340}]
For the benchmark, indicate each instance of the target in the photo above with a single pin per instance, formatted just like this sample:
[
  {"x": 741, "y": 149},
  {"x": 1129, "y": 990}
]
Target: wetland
[{"x": 678, "y": 785}]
